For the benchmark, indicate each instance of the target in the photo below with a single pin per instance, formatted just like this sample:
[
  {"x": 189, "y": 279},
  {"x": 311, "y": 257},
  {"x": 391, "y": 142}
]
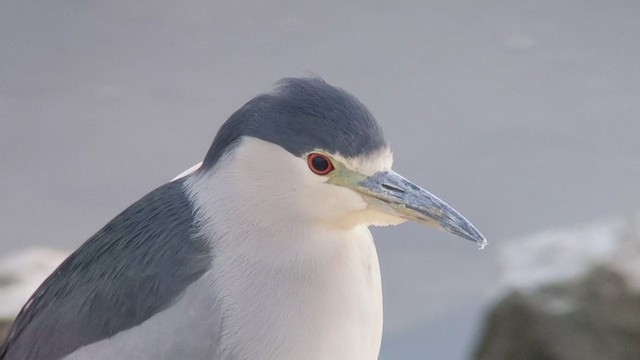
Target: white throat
[{"x": 291, "y": 289}]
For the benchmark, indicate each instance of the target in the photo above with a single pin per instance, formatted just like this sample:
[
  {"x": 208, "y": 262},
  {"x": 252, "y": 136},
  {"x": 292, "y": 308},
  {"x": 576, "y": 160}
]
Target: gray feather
[
  {"x": 133, "y": 268},
  {"x": 302, "y": 115},
  {"x": 189, "y": 329}
]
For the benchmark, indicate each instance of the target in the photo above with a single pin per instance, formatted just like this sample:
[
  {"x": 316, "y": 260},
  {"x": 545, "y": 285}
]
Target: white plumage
[{"x": 294, "y": 285}]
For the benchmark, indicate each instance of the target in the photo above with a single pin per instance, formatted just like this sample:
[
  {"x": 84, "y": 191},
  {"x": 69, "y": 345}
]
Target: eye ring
[{"x": 320, "y": 164}]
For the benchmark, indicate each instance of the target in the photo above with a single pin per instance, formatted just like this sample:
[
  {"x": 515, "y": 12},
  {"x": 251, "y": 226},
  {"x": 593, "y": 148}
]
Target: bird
[{"x": 261, "y": 251}]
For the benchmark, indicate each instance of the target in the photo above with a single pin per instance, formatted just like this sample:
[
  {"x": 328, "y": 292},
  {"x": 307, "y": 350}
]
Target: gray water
[{"x": 524, "y": 115}]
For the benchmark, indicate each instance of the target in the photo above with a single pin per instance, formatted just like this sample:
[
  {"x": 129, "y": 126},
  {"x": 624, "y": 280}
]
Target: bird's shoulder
[{"x": 133, "y": 268}]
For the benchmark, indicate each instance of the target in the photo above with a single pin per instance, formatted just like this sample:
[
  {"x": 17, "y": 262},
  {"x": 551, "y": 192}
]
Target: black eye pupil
[{"x": 320, "y": 163}]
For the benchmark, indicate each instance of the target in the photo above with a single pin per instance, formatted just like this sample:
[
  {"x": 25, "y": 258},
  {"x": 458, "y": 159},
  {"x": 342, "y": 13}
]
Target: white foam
[{"x": 554, "y": 256}]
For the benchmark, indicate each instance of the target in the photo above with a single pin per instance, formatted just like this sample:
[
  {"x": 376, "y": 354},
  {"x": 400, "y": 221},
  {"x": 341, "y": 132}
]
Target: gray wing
[{"x": 136, "y": 267}]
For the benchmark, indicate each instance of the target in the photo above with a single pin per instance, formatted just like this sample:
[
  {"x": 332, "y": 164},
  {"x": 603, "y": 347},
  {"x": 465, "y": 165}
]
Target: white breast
[{"x": 323, "y": 306}]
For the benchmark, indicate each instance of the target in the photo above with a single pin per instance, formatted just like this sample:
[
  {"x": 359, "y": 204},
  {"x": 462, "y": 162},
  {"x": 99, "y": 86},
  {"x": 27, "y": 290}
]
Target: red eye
[{"x": 319, "y": 164}]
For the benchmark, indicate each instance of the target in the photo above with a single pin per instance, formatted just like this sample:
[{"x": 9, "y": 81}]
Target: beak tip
[
  {"x": 478, "y": 238},
  {"x": 466, "y": 230},
  {"x": 482, "y": 243}
]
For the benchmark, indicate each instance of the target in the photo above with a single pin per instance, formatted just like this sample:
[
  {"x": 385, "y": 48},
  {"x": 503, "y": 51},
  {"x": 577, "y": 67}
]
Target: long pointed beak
[{"x": 392, "y": 193}]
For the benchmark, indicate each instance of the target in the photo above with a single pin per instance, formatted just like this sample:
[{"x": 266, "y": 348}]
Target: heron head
[{"x": 310, "y": 152}]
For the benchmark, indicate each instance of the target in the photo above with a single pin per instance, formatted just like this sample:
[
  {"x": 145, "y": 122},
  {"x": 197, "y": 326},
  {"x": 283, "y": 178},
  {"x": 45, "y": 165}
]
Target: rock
[
  {"x": 571, "y": 294},
  {"x": 20, "y": 275}
]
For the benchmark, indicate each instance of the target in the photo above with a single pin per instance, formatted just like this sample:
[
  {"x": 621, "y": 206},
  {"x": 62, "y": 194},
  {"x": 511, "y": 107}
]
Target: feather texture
[{"x": 133, "y": 268}]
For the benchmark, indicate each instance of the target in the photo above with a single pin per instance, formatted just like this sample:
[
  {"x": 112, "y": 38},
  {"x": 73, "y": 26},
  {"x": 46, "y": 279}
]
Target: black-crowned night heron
[{"x": 262, "y": 252}]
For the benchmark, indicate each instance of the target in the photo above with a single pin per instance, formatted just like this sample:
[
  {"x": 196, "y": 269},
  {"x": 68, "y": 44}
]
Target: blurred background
[{"x": 524, "y": 115}]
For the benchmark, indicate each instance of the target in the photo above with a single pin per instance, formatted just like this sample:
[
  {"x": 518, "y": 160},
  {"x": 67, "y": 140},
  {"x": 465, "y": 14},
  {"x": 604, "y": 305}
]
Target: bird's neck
[{"x": 295, "y": 290}]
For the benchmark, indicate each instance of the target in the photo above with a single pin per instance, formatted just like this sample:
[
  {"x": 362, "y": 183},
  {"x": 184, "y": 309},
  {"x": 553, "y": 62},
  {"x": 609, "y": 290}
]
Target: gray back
[{"x": 133, "y": 268}]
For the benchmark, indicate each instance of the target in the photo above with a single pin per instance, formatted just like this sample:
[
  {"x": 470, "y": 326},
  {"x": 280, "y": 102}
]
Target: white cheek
[
  {"x": 263, "y": 182},
  {"x": 268, "y": 181},
  {"x": 331, "y": 203}
]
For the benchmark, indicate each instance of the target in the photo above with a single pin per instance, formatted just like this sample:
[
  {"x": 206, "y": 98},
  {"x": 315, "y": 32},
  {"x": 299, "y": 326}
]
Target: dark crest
[{"x": 302, "y": 114}]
